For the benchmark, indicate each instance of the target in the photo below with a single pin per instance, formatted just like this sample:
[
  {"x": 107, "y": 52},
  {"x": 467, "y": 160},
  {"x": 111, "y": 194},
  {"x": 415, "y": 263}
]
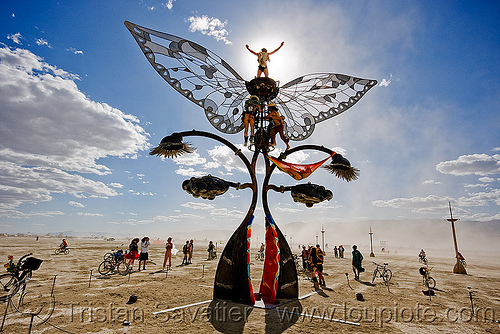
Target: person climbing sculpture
[
  {"x": 278, "y": 125},
  {"x": 251, "y": 108},
  {"x": 263, "y": 58}
]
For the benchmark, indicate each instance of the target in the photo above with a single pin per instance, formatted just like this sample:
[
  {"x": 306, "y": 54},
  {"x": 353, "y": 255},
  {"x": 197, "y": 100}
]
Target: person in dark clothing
[{"x": 357, "y": 259}]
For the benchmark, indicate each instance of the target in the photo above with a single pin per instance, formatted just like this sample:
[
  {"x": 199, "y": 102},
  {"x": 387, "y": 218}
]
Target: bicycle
[
  {"x": 259, "y": 256},
  {"x": 382, "y": 272},
  {"x": 61, "y": 250},
  {"x": 124, "y": 268},
  {"x": 17, "y": 277},
  {"x": 110, "y": 255},
  {"x": 111, "y": 263},
  {"x": 427, "y": 280}
]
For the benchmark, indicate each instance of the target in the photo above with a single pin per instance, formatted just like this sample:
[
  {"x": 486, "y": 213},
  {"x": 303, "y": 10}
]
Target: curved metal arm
[
  {"x": 270, "y": 169},
  {"x": 250, "y": 166}
]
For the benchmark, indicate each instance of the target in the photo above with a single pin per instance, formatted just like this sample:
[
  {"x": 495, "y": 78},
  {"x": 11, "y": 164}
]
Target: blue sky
[{"x": 80, "y": 107}]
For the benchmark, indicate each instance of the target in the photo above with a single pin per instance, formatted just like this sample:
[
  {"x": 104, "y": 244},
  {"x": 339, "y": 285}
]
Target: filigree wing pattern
[
  {"x": 203, "y": 77},
  {"x": 313, "y": 98}
]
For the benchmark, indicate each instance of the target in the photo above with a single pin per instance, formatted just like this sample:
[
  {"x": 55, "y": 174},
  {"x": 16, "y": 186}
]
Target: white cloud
[
  {"x": 169, "y": 4},
  {"x": 486, "y": 179},
  {"x": 224, "y": 156},
  {"x": 210, "y": 26},
  {"x": 189, "y": 172},
  {"x": 223, "y": 212},
  {"x": 187, "y": 216},
  {"x": 16, "y": 38},
  {"x": 475, "y": 185},
  {"x": 116, "y": 185},
  {"x": 288, "y": 210},
  {"x": 50, "y": 132},
  {"x": 415, "y": 204},
  {"x": 9, "y": 213},
  {"x": 190, "y": 159},
  {"x": 42, "y": 42},
  {"x": 477, "y": 164},
  {"x": 75, "y": 51},
  {"x": 431, "y": 182},
  {"x": 197, "y": 206},
  {"x": 88, "y": 214},
  {"x": 433, "y": 204},
  {"x": 76, "y": 204},
  {"x": 386, "y": 82}
]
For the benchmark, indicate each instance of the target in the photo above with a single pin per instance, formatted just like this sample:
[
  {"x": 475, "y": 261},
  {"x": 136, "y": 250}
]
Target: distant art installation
[{"x": 230, "y": 102}]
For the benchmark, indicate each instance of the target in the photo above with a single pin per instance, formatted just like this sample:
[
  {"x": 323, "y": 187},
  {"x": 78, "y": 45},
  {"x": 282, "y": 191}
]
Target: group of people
[
  {"x": 312, "y": 260},
  {"x": 338, "y": 252},
  {"x": 187, "y": 251},
  {"x": 135, "y": 253},
  {"x": 252, "y": 107},
  {"x": 313, "y": 257},
  {"x": 142, "y": 253}
]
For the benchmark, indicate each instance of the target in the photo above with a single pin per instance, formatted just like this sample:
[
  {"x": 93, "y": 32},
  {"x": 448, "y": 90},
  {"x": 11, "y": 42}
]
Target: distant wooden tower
[
  {"x": 458, "y": 268},
  {"x": 371, "y": 242}
]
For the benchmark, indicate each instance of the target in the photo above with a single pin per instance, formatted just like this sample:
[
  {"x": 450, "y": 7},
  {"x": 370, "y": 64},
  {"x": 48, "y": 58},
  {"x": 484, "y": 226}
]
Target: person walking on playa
[
  {"x": 316, "y": 259},
  {"x": 144, "y": 256},
  {"x": 305, "y": 257},
  {"x": 357, "y": 259},
  {"x": 335, "y": 251},
  {"x": 211, "y": 251},
  {"x": 341, "y": 251},
  {"x": 185, "y": 250},
  {"x": 168, "y": 253},
  {"x": 190, "y": 250}
]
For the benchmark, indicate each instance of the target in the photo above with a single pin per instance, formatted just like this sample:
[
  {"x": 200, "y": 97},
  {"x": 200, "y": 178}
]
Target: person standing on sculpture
[
  {"x": 263, "y": 58},
  {"x": 278, "y": 125},
  {"x": 251, "y": 108},
  {"x": 357, "y": 260}
]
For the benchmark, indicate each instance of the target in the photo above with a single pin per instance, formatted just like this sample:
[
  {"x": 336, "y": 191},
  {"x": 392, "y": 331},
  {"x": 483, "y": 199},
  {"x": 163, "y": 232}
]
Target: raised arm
[
  {"x": 255, "y": 53},
  {"x": 279, "y": 47}
]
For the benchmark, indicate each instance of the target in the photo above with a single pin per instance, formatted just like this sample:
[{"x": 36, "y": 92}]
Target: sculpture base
[
  {"x": 372, "y": 255},
  {"x": 459, "y": 269}
]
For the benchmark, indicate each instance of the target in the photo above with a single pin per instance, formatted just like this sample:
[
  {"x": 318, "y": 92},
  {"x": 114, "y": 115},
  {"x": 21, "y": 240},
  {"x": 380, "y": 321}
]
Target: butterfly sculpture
[{"x": 211, "y": 83}]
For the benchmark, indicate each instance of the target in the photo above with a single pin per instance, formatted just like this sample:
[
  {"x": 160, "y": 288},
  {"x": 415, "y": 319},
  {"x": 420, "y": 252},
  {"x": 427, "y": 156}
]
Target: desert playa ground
[{"x": 92, "y": 303}]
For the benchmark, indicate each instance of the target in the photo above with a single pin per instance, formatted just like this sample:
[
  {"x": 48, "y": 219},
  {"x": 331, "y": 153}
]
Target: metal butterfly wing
[
  {"x": 203, "y": 77},
  {"x": 313, "y": 98},
  {"x": 207, "y": 80}
]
